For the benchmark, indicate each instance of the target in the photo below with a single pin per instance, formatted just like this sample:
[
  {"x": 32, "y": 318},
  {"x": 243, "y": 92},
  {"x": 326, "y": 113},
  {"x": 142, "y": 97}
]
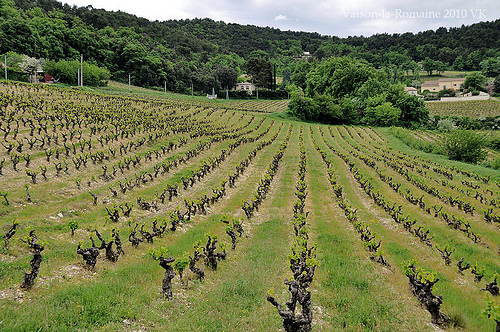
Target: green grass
[{"x": 446, "y": 74}]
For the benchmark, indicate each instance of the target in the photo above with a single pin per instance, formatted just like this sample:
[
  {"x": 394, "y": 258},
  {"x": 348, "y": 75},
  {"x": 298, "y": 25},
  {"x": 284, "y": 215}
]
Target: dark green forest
[{"x": 191, "y": 53}]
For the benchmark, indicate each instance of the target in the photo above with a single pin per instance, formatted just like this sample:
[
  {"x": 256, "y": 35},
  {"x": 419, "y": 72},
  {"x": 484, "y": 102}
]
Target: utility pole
[
  {"x": 192, "y": 88},
  {"x": 257, "y": 89},
  {"x": 274, "y": 83},
  {"x": 81, "y": 70},
  {"x": 5, "y": 63},
  {"x": 129, "y": 83},
  {"x": 78, "y": 77},
  {"x": 165, "y": 87}
]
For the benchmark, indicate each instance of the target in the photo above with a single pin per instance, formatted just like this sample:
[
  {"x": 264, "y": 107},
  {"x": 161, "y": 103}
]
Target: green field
[
  {"x": 360, "y": 187},
  {"x": 446, "y": 74},
  {"x": 472, "y": 108}
]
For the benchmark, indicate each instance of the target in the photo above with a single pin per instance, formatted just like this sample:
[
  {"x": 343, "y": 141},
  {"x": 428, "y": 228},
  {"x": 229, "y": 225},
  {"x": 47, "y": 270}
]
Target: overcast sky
[{"x": 328, "y": 17}]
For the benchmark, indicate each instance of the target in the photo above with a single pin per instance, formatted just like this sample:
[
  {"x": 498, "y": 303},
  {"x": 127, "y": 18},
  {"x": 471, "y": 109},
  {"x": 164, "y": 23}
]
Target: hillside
[{"x": 187, "y": 52}]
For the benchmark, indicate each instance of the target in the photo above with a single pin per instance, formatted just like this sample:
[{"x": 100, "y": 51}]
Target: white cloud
[{"x": 281, "y": 17}]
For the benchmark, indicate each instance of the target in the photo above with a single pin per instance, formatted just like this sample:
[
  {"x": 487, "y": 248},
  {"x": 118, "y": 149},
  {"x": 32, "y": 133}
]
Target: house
[
  {"x": 411, "y": 90},
  {"x": 247, "y": 86},
  {"x": 304, "y": 55},
  {"x": 443, "y": 83}
]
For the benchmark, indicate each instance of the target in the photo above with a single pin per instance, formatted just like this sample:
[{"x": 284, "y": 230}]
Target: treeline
[
  {"x": 49, "y": 30},
  {"x": 462, "y": 48},
  {"x": 186, "y": 53},
  {"x": 341, "y": 90}
]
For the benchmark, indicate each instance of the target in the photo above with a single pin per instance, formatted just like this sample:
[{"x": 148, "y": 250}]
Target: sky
[{"x": 328, "y": 17}]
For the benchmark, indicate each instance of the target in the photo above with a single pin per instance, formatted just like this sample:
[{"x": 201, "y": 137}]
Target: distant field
[
  {"x": 473, "y": 108},
  {"x": 263, "y": 106},
  {"x": 446, "y": 74}
]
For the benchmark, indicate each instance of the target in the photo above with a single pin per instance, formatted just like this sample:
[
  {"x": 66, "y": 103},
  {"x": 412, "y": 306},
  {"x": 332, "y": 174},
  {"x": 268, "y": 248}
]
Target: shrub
[
  {"x": 431, "y": 96},
  {"x": 327, "y": 110},
  {"x": 17, "y": 74},
  {"x": 234, "y": 94},
  {"x": 465, "y": 145},
  {"x": 302, "y": 107},
  {"x": 67, "y": 71},
  {"x": 475, "y": 81},
  {"x": 447, "y": 93},
  {"x": 382, "y": 115},
  {"x": 495, "y": 163},
  {"x": 446, "y": 125}
]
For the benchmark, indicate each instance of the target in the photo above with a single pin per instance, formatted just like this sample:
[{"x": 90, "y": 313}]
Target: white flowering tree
[{"x": 31, "y": 65}]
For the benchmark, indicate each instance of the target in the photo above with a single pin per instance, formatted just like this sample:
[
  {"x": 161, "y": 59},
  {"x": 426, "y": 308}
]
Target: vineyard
[
  {"x": 432, "y": 141},
  {"x": 263, "y": 106},
  {"x": 473, "y": 108},
  {"x": 148, "y": 214}
]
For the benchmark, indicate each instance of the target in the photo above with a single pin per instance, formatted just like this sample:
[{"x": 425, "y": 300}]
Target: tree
[
  {"x": 413, "y": 110},
  {"x": 496, "y": 84},
  {"x": 459, "y": 63},
  {"x": 295, "y": 48},
  {"x": 287, "y": 77},
  {"x": 490, "y": 67},
  {"x": 429, "y": 66},
  {"x": 384, "y": 114},
  {"x": 465, "y": 145},
  {"x": 261, "y": 71},
  {"x": 475, "y": 81},
  {"x": 473, "y": 60},
  {"x": 338, "y": 77},
  {"x": 440, "y": 67},
  {"x": 350, "y": 110},
  {"x": 426, "y": 51},
  {"x": 446, "y": 125},
  {"x": 227, "y": 77},
  {"x": 31, "y": 65},
  {"x": 327, "y": 110},
  {"x": 372, "y": 87},
  {"x": 299, "y": 76},
  {"x": 415, "y": 68},
  {"x": 14, "y": 59},
  {"x": 411, "y": 65},
  {"x": 319, "y": 54},
  {"x": 302, "y": 107},
  {"x": 447, "y": 55}
]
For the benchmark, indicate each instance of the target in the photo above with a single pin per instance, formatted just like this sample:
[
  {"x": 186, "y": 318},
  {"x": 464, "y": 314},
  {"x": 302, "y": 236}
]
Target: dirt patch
[
  {"x": 13, "y": 294},
  {"x": 7, "y": 258},
  {"x": 69, "y": 272}
]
